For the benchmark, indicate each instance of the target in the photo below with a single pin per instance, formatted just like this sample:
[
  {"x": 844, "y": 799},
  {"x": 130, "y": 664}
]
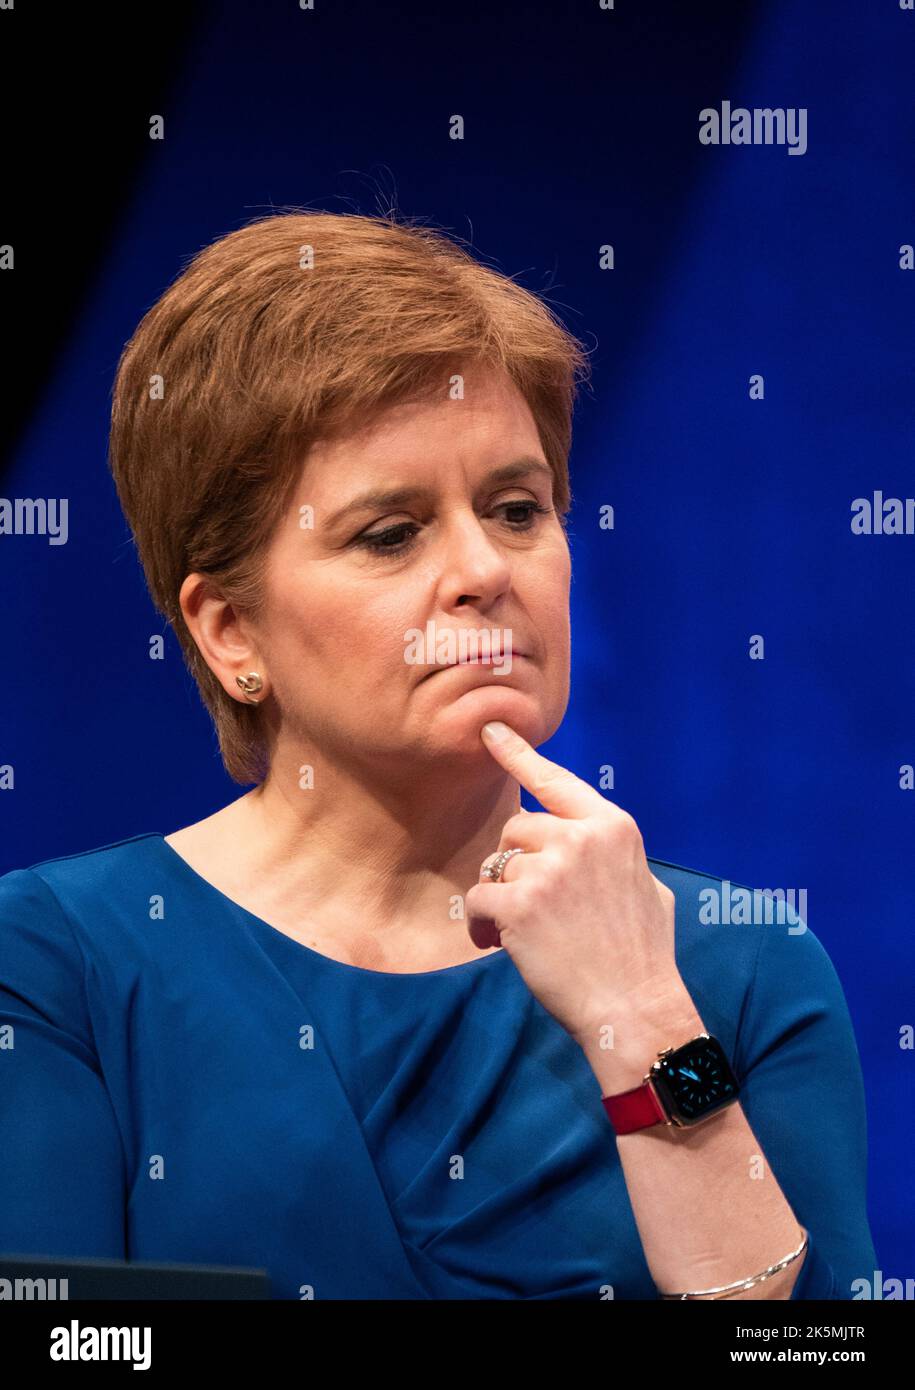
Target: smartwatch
[{"x": 685, "y": 1086}]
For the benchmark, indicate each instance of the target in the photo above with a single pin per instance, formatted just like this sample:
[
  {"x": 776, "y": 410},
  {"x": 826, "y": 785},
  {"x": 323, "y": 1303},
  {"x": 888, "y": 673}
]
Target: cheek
[
  {"x": 552, "y": 574},
  {"x": 318, "y": 628},
  {"x": 374, "y": 634},
  {"x": 547, "y": 599}
]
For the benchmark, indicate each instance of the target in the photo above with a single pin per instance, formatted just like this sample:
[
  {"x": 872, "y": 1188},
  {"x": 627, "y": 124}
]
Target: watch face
[{"x": 695, "y": 1080}]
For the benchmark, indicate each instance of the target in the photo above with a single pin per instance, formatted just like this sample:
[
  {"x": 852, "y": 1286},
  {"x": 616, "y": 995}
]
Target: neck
[{"x": 377, "y": 865}]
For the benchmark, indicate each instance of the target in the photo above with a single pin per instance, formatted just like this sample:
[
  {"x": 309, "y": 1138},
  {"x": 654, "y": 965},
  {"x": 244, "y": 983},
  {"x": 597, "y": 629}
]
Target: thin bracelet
[{"x": 727, "y": 1289}]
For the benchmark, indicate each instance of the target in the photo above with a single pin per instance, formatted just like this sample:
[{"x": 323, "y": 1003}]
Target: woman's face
[{"x": 344, "y": 637}]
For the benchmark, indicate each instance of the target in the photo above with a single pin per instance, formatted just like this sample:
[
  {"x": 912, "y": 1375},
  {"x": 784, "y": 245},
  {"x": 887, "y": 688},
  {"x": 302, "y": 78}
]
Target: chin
[{"x": 466, "y": 717}]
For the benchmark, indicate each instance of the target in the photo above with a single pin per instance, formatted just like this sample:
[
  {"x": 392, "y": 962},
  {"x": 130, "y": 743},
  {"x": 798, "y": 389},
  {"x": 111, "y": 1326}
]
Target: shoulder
[
  {"x": 749, "y": 958},
  {"x": 86, "y": 866},
  {"x": 56, "y": 906},
  {"x": 703, "y": 941},
  {"x": 85, "y": 863}
]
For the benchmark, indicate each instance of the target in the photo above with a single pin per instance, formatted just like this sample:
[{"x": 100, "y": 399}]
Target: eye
[
  {"x": 387, "y": 542},
  {"x": 394, "y": 540}
]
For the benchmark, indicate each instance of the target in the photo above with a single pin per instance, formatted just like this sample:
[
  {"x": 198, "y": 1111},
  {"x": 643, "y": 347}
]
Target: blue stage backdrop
[{"x": 742, "y": 653}]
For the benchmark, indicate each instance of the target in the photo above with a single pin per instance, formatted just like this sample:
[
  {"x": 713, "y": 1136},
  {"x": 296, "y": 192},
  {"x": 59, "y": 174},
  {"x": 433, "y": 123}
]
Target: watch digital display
[{"x": 695, "y": 1080}]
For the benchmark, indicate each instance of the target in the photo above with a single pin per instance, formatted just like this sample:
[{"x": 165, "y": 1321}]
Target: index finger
[{"x": 555, "y": 787}]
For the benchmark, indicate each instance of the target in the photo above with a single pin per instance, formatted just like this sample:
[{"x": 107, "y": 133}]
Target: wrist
[{"x": 622, "y": 1038}]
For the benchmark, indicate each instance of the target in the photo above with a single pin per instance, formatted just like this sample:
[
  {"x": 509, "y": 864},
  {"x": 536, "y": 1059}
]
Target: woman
[{"x": 336, "y": 1030}]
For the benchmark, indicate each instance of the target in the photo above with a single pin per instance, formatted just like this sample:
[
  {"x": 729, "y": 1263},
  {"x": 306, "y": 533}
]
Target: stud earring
[{"x": 250, "y": 684}]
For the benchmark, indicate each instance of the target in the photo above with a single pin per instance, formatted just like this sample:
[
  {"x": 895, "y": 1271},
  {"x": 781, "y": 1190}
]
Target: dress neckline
[{"x": 330, "y": 961}]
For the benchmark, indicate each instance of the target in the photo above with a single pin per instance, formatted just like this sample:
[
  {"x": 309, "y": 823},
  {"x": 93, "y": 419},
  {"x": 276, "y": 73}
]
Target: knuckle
[
  {"x": 626, "y": 827},
  {"x": 512, "y": 828},
  {"x": 523, "y": 897},
  {"x": 579, "y": 832}
]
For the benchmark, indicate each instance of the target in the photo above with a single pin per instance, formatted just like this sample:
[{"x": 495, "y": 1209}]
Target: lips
[
  {"x": 486, "y": 661},
  {"x": 494, "y": 659}
]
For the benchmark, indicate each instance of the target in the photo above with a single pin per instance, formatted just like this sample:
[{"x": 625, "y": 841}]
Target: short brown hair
[{"x": 296, "y": 327}]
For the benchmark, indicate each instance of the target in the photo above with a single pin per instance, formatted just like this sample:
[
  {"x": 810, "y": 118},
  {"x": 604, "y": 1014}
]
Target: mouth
[{"x": 492, "y": 659}]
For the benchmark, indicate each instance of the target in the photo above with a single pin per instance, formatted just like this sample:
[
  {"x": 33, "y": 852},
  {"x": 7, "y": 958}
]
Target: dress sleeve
[
  {"x": 62, "y": 1184},
  {"x": 803, "y": 1096}
]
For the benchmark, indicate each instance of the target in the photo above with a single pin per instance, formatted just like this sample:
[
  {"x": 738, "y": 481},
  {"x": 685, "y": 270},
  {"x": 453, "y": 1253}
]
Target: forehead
[{"x": 453, "y": 436}]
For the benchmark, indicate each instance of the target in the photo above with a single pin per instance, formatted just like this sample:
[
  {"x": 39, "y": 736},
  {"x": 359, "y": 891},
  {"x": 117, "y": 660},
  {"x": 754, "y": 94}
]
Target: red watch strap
[{"x": 635, "y": 1109}]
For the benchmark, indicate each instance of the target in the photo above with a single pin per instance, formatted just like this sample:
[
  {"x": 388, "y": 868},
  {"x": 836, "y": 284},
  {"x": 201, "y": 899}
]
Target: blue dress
[{"x": 185, "y": 1083}]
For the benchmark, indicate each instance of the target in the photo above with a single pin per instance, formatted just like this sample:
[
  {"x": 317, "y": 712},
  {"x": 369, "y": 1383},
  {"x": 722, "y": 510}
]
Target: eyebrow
[{"x": 399, "y": 496}]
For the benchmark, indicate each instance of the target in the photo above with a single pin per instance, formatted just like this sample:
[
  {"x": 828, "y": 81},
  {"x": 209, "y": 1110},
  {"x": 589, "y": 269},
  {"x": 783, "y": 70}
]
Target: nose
[{"x": 473, "y": 566}]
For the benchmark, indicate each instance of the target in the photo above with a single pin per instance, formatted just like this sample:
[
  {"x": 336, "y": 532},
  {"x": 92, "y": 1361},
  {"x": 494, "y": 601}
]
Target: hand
[{"x": 589, "y": 927}]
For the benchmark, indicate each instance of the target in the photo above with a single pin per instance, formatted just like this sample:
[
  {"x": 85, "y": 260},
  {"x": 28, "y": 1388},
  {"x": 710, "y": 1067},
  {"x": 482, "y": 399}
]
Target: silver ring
[{"x": 493, "y": 871}]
